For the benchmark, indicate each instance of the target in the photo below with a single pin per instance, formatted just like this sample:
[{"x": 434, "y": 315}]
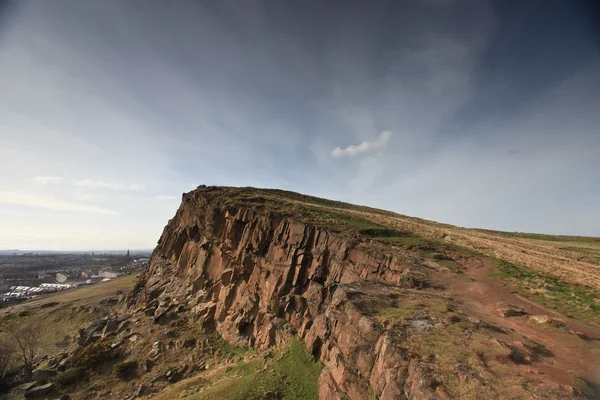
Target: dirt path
[{"x": 576, "y": 348}]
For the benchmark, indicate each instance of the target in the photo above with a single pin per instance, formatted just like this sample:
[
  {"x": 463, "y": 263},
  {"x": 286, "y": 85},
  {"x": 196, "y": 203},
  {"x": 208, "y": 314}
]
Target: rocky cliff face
[{"x": 258, "y": 276}]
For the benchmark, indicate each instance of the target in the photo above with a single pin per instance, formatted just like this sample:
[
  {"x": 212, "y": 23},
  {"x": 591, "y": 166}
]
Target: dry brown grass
[{"x": 545, "y": 256}]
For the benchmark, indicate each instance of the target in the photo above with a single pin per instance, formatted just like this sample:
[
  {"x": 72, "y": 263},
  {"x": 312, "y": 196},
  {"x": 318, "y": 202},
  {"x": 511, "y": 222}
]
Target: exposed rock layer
[{"x": 256, "y": 276}]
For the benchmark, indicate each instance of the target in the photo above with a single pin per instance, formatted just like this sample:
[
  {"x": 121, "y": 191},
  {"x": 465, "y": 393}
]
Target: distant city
[{"x": 27, "y": 274}]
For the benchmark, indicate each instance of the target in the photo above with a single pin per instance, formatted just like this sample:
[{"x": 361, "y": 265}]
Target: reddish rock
[{"x": 257, "y": 277}]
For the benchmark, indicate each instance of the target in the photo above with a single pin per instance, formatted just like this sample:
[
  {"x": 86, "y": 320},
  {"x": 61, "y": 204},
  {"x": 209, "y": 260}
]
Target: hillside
[{"x": 260, "y": 293}]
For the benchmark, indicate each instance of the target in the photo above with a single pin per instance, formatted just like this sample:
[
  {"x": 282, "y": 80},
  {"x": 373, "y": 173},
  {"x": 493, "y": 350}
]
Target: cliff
[{"x": 258, "y": 267}]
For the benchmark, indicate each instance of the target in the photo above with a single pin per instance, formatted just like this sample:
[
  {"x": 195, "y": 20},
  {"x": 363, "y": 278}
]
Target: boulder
[
  {"x": 510, "y": 310},
  {"x": 547, "y": 320}
]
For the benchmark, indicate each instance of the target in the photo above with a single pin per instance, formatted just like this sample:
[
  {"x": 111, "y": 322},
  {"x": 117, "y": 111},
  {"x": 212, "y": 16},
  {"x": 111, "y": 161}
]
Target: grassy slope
[
  {"x": 288, "y": 373},
  {"x": 568, "y": 299},
  {"x": 587, "y": 248},
  {"x": 63, "y": 313}
]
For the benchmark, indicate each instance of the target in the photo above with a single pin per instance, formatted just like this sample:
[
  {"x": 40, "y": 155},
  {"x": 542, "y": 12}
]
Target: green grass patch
[
  {"x": 438, "y": 251},
  {"x": 289, "y": 374},
  {"x": 402, "y": 240},
  {"x": 563, "y": 297},
  {"x": 451, "y": 265},
  {"x": 216, "y": 344},
  {"x": 398, "y": 315},
  {"x": 461, "y": 343},
  {"x": 280, "y": 199},
  {"x": 408, "y": 309},
  {"x": 353, "y": 221}
]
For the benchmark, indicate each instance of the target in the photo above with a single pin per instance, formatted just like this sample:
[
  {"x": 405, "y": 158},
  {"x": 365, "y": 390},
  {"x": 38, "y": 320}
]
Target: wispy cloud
[
  {"x": 51, "y": 203},
  {"x": 46, "y": 180},
  {"x": 366, "y": 147},
  {"x": 454, "y": 84},
  {"x": 93, "y": 184}
]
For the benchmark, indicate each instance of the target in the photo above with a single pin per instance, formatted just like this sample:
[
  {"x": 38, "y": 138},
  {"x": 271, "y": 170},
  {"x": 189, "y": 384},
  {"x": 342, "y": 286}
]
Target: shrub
[
  {"x": 95, "y": 354},
  {"x": 125, "y": 370},
  {"x": 8, "y": 354},
  {"x": 71, "y": 376}
]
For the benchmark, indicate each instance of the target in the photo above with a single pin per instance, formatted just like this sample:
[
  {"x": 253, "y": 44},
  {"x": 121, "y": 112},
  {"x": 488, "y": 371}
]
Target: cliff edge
[{"x": 388, "y": 313}]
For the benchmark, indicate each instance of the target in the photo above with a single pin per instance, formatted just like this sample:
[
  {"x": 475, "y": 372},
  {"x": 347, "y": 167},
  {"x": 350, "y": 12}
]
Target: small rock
[
  {"x": 156, "y": 349},
  {"x": 149, "y": 311},
  {"x": 510, "y": 310},
  {"x": 142, "y": 391},
  {"x": 518, "y": 355},
  {"x": 39, "y": 391},
  {"x": 148, "y": 364},
  {"x": 547, "y": 320},
  {"x": 421, "y": 325},
  {"x": 25, "y": 386},
  {"x": 64, "y": 363}
]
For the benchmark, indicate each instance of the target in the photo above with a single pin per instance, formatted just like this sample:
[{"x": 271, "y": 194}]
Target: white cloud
[
  {"x": 365, "y": 147},
  {"x": 165, "y": 197},
  {"x": 52, "y": 203},
  {"x": 93, "y": 184},
  {"x": 86, "y": 196},
  {"x": 46, "y": 180}
]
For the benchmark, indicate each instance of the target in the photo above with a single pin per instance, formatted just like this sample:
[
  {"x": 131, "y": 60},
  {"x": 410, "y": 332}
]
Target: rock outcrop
[{"x": 256, "y": 276}]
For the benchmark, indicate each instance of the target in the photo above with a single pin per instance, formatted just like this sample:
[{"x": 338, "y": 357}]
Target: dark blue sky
[{"x": 476, "y": 113}]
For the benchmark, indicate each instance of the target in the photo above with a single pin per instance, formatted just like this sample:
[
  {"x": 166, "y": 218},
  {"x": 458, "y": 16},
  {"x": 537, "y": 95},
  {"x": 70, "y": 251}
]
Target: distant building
[
  {"x": 108, "y": 274},
  {"x": 54, "y": 286},
  {"x": 61, "y": 278},
  {"x": 26, "y": 289}
]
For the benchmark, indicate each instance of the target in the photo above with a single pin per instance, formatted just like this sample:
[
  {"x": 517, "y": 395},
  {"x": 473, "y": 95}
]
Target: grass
[
  {"x": 438, "y": 251},
  {"x": 412, "y": 240},
  {"x": 542, "y": 236},
  {"x": 398, "y": 315},
  {"x": 411, "y": 308},
  {"x": 100, "y": 289},
  {"x": 463, "y": 344},
  {"x": 59, "y": 317},
  {"x": 330, "y": 218},
  {"x": 216, "y": 344},
  {"x": 445, "y": 346},
  {"x": 289, "y": 373},
  {"x": 564, "y": 297},
  {"x": 258, "y": 197},
  {"x": 587, "y": 247}
]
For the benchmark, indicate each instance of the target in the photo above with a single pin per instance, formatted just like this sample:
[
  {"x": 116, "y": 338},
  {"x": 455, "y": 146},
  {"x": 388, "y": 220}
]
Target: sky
[{"x": 474, "y": 113}]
